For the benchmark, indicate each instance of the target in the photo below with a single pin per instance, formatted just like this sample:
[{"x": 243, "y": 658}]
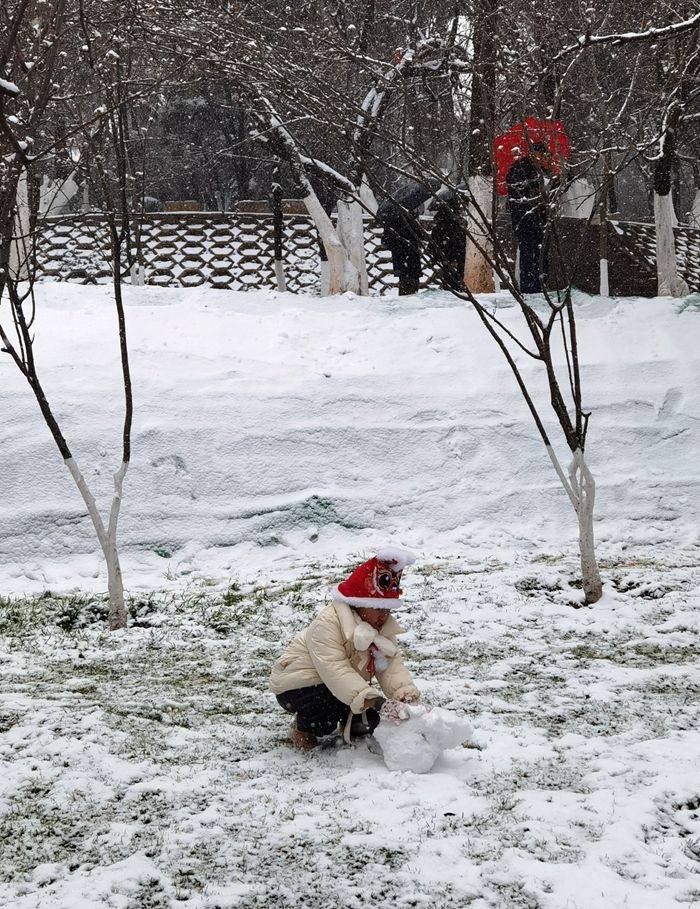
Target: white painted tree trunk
[
  {"x": 604, "y": 282},
  {"x": 20, "y": 247},
  {"x": 478, "y": 274},
  {"x": 325, "y": 279},
  {"x": 583, "y": 485},
  {"x": 117, "y": 607},
  {"x": 341, "y": 273},
  {"x": 578, "y": 200},
  {"x": 351, "y": 231},
  {"x": 55, "y": 195},
  {"x": 107, "y": 538},
  {"x": 367, "y": 198},
  {"x": 670, "y": 284},
  {"x": 580, "y": 487}
]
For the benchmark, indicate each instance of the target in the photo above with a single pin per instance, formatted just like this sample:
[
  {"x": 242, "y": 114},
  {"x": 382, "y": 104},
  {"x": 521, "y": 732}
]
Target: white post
[
  {"x": 138, "y": 274},
  {"x": 478, "y": 274},
  {"x": 280, "y": 277}
]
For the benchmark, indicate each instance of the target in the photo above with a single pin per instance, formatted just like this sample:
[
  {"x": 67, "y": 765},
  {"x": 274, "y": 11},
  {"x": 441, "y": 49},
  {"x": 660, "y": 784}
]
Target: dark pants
[
  {"x": 408, "y": 284},
  {"x": 319, "y": 711},
  {"x": 534, "y": 255},
  {"x": 452, "y": 275},
  {"x": 405, "y": 260}
]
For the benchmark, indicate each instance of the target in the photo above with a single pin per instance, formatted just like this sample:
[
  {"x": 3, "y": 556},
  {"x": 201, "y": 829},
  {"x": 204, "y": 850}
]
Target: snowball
[
  {"x": 397, "y": 558},
  {"x": 416, "y": 742}
]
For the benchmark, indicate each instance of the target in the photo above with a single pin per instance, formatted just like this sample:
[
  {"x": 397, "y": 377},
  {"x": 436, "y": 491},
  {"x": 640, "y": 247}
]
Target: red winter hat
[{"x": 376, "y": 583}]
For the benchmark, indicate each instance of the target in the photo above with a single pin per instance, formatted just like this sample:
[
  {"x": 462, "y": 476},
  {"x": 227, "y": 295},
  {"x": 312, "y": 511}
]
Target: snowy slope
[{"x": 268, "y": 425}]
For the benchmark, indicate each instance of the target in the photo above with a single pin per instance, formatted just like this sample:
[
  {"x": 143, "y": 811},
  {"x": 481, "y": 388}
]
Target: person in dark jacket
[
  {"x": 527, "y": 204},
  {"x": 403, "y": 236},
  {"x": 448, "y": 241}
]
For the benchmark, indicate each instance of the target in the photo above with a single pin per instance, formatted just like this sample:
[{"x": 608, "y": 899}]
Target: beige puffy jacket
[{"x": 334, "y": 650}]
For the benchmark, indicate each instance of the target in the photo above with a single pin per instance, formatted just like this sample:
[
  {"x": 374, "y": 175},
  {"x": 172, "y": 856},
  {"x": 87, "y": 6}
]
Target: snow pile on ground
[
  {"x": 415, "y": 736},
  {"x": 270, "y": 428}
]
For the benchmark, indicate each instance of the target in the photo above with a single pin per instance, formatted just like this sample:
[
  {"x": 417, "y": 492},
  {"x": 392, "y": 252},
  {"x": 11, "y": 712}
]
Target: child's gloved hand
[{"x": 394, "y": 711}]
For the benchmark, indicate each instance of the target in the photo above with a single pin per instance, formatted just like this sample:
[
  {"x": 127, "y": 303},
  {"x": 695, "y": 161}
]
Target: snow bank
[{"x": 268, "y": 426}]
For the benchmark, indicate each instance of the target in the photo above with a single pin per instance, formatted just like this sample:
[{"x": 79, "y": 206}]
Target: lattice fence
[
  {"x": 236, "y": 251},
  {"x": 191, "y": 249},
  {"x": 639, "y": 241}
]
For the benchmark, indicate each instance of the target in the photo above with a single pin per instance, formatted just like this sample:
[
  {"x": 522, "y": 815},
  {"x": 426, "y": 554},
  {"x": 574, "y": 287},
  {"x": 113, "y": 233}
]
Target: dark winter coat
[
  {"x": 448, "y": 238},
  {"x": 402, "y": 234},
  {"x": 525, "y": 193},
  {"x": 528, "y": 211}
]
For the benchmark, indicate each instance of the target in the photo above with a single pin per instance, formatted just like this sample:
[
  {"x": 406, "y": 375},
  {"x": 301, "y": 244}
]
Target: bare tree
[
  {"x": 38, "y": 42},
  {"x": 548, "y": 337}
]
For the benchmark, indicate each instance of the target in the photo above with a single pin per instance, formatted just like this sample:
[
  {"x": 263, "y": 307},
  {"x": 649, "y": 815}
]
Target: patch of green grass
[
  {"x": 66, "y": 612},
  {"x": 641, "y": 654},
  {"x": 222, "y": 611}
]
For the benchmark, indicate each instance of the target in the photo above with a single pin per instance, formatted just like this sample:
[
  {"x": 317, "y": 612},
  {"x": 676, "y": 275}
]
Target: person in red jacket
[{"x": 527, "y": 203}]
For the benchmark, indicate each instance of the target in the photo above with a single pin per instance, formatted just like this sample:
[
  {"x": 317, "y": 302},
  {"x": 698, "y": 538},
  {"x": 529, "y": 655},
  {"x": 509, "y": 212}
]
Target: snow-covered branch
[
  {"x": 330, "y": 172},
  {"x": 8, "y": 88},
  {"x": 651, "y": 34}
]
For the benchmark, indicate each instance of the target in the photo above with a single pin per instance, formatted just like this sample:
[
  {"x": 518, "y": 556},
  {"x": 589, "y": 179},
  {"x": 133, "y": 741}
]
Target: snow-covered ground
[{"x": 276, "y": 440}]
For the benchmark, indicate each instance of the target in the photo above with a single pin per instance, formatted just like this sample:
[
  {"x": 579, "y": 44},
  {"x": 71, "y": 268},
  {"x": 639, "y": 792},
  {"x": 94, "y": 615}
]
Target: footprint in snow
[{"x": 672, "y": 401}]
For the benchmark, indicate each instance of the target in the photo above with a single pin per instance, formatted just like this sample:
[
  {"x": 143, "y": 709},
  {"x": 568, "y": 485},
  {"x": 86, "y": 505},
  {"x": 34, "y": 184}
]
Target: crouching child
[{"x": 325, "y": 675}]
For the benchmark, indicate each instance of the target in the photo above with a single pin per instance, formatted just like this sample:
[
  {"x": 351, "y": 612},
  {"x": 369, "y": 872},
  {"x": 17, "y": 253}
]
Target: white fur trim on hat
[
  {"x": 396, "y": 557},
  {"x": 368, "y": 602}
]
